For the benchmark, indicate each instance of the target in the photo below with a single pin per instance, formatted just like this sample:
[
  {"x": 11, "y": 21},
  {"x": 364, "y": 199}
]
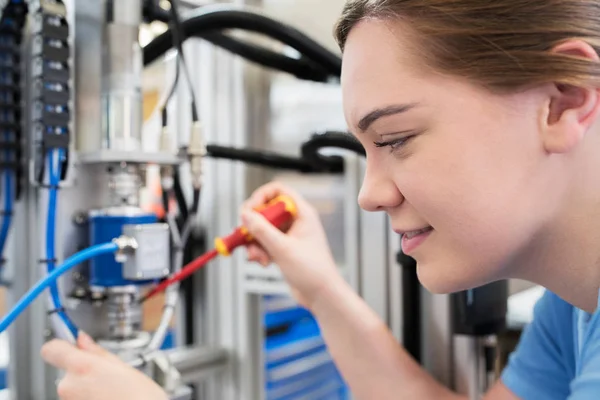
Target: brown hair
[{"x": 501, "y": 44}]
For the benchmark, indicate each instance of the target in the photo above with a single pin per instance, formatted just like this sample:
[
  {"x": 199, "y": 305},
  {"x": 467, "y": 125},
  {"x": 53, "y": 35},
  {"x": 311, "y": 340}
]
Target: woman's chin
[{"x": 440, "y": 279}]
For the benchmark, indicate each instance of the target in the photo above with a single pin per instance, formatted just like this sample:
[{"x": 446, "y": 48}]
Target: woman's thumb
[
  {"x": 265, "y": 233},
  {"x": 86, "y": 343}
]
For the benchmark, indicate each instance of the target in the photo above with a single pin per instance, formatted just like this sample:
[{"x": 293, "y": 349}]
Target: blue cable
[
  {"x": 54, "y": 178},
  {"x": 51, "y": 278}
]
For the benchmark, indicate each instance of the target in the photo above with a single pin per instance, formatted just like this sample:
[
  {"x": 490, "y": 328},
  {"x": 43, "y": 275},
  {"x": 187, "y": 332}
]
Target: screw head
[{"x": 80, "y": 218}]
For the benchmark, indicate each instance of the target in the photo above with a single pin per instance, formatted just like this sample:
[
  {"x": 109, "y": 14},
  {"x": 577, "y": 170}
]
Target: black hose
[
  {"x": 311, "y": 149},
  {"x": 178, "y": 38},
  {"x": 311, "y": 160},
  {"x": 261, "y": 158},
  {"x": 301, "y": 68},
  {"x": 208, "y": 21}
]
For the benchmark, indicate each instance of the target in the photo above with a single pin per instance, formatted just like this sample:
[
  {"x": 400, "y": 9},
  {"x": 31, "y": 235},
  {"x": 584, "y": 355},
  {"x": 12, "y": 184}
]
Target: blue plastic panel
[{"x": 297, "y": 363}]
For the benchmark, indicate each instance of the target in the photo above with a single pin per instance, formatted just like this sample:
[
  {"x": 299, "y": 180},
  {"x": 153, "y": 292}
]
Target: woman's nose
[{"x": 378, "y": 191}]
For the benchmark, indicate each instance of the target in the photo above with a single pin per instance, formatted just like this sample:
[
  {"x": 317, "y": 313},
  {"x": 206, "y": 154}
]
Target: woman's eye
[{"x": 394, "y": 144}]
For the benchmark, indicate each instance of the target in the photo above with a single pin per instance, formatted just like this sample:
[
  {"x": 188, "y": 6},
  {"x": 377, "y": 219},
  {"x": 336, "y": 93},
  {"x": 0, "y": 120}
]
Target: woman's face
[{"x": 450, "y": 157}]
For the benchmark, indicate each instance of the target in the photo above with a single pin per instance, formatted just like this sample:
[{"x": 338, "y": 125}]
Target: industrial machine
[{"x": 76, "y": 161}]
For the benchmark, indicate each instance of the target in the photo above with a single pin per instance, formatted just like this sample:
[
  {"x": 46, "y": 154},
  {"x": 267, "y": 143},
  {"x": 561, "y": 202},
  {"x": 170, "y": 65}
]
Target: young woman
[{"x": 480, "y": 119}]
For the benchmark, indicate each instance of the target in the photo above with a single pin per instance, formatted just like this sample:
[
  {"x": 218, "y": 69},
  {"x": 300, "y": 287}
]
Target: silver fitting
[
  {"x": 127, "y": 246},
  {"x": 196, "y": 151},
  {"x": 126, "y": 243}
]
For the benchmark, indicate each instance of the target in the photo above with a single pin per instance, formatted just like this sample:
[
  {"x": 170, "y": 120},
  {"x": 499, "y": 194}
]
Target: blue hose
[
  {"x": 51, "y": 278},
  {"x": 54, "y": 178},
  {"x": 8, "y": 204},
  {"x": 6, "y": 218}
]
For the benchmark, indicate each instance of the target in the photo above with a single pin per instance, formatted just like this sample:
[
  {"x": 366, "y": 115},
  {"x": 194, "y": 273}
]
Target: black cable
[
  {"x": 208, "y": 21},
  {"x": 195, "y": 201},
  {"x": 179, "y": 196},
  {"x": 163, "y": 108},
  {"x": 178, "y": 41},
  {"x": 301, "y": 68},
  {"x": 411, "y": 306},
  {"x": 165, "y": 199}
]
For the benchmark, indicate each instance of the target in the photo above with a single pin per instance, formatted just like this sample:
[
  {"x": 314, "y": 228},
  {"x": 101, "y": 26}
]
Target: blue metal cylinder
[{"x": 104, "y": 270}]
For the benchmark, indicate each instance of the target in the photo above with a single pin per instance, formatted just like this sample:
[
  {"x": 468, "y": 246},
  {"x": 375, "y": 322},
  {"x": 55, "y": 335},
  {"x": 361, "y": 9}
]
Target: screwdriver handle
[{"x": 277, "y": 211}]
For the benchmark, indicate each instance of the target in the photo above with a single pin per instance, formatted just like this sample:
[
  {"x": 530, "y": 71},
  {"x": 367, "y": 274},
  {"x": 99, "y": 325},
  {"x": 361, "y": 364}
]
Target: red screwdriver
[{"x": 277, "y": 211}]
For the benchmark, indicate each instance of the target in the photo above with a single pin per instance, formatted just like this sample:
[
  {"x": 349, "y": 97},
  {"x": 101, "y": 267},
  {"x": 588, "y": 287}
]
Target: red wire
[{"x": 186, "y": 271}]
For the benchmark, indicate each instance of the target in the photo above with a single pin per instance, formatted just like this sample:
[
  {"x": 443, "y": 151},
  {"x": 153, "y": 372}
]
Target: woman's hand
[
  {"x": 302, "y": 253},
  {"x": 93, "y": 373}
]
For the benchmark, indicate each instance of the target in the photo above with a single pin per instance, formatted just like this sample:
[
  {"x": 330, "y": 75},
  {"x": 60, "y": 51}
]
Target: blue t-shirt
[{"x": 558, "y": 356}]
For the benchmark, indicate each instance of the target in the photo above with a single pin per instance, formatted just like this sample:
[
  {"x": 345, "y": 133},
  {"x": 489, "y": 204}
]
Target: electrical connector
[
  {"x": 166, "y": 171},
  {"x": 165, "y": 141},
  {"x": 196, "y": 151}
]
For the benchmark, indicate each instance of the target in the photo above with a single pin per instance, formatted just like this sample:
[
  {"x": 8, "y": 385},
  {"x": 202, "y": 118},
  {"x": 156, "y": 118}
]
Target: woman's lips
[{"x": 413, "y": 239}]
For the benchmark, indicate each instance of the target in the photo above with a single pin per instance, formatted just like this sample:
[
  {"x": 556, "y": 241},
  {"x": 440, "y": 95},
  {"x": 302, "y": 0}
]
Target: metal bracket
[{"x": 164, "y": 373}]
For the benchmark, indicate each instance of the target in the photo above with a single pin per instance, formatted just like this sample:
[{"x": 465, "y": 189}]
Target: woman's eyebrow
[{"x": 366, "y": 121}]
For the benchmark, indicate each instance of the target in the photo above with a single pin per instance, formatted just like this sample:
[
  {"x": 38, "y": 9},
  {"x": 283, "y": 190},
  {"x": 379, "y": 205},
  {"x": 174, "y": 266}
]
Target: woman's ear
[{"x": 570, "y": 110}]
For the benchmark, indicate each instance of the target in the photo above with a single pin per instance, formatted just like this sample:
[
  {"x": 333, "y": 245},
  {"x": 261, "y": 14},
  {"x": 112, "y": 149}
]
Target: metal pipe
[{"x": 195, "y": 363}]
